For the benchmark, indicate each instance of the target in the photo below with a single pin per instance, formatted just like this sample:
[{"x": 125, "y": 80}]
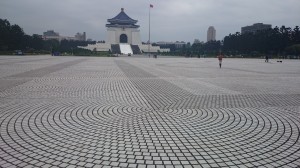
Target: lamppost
[{"x": 149, "y": 42}]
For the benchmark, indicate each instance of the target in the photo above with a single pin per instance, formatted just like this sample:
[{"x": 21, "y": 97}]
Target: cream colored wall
[
  {"x": 133, "y": 35},
  {"x": 136, "y": 39},
  {"x": 111, "y": 36}
]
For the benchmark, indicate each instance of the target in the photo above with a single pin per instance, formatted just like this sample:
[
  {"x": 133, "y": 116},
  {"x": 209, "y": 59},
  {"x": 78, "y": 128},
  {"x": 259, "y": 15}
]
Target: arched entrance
[{"x": 123, "y": 38}]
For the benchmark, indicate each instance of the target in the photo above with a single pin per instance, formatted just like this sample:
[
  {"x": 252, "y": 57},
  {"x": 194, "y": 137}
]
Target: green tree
[
  {"x": 273, "y": 41},
  {"x": 296, "y": 35},
  {"x": 15, "y": 37},
  {"x": 4, "y": 34}
]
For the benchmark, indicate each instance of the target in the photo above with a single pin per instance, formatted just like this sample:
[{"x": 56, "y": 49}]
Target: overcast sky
[{"x": 171, "y": 20}]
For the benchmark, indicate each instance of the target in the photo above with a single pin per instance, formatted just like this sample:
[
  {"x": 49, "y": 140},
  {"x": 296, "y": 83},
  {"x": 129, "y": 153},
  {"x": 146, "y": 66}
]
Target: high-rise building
[
  {"x": 255, "y": 27},
  {"x": 211, "y": 34}
]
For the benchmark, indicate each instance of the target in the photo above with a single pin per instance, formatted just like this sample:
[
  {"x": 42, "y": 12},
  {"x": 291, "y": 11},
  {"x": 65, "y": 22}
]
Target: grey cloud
[{"x": 170, "y": 19}]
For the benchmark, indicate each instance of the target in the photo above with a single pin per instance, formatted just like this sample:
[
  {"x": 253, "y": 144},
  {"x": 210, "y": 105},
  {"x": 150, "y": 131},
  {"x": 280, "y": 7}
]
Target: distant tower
[
  {"x": 211, "y": 34},
  {"x": 84, "y": 36}
]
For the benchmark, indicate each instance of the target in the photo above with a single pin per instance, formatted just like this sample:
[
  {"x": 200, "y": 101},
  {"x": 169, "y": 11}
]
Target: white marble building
[{"x": 123, "y": 36}]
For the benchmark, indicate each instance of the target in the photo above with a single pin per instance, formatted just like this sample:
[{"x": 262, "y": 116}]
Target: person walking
[
  {"x": 220, "y": 58},
  {"x": 267, "y": 58}
]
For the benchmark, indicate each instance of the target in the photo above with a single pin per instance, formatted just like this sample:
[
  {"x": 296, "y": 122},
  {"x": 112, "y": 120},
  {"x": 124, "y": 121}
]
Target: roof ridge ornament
[{"x": 122, "y": 9}]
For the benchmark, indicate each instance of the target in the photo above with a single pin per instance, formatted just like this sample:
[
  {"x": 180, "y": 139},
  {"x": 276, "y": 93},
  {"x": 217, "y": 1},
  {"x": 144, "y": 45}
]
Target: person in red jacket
[{"x": 220, "y": 57}]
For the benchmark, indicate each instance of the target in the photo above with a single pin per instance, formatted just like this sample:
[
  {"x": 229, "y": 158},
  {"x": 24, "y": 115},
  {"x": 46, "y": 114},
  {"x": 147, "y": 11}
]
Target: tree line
[
  {"x": 12, "y": 37},
  {"x": 276, "y": 41},
  {"x": 210, "y": 48}
]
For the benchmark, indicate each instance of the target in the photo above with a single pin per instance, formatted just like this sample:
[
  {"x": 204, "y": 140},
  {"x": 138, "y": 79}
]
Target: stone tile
[{"x": 139, "y": 112}]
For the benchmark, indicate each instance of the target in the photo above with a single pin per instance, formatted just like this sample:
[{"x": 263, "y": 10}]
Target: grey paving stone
[{"x": 139, "y": 112}]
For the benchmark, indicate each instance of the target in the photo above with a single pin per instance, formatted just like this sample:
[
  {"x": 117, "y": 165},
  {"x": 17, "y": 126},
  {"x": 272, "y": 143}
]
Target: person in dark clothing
[{"x": 267, "y": 59}]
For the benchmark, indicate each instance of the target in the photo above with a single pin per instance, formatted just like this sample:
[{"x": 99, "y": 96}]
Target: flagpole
[{"x": 149, "y": 33}]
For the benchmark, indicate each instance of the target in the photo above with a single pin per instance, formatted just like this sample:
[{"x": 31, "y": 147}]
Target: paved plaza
[{"x": 145, "y": 112}]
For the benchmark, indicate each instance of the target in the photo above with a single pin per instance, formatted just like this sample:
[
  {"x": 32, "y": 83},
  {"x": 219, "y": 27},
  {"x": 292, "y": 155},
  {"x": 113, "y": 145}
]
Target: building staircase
[
  {"x": 115, "y": 49},
  {"x": 135, "y": 49},
  {"x": 125, "y": 49}
]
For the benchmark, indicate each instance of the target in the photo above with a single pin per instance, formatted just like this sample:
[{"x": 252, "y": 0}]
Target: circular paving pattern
[
  {"x": 121, "y": 115},
  {"x": 88, "y": 134}
]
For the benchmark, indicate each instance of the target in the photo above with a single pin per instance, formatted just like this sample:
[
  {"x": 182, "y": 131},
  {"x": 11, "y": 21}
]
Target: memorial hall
[{"x": 123, "y": 37}]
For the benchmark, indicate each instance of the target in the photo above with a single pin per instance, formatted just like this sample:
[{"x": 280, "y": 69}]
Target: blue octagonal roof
[{"x": 122, "y": 18}]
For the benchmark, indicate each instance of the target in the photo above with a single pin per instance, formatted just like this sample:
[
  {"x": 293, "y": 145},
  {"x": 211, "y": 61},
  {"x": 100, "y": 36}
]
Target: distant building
[
  {"x": 255, "y": 27},
  {"x": 80, "y": 36},
  {"x": 177, "y": 44},
  {"x": 211, "y": 34},
  {"x": 172, "y": 46},
  {"x": 51, "y": 35}
]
